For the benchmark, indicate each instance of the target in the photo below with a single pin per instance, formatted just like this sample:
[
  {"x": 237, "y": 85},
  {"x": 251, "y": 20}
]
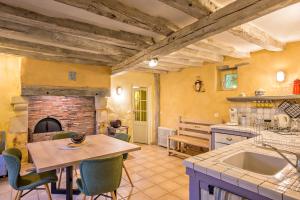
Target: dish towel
[{"x": 220, "y": 194}]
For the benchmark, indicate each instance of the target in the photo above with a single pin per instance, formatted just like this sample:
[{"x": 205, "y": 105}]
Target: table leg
[
  {"x": 69, "y": 183},
  {"x": 69, "y": 191}
]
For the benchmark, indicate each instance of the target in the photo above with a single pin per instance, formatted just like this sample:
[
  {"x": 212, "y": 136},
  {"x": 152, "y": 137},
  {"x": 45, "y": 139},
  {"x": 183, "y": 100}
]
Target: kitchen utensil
[
  {"x": 283, "y": 120},
  {"x": 293, "y": 111},
  {"x": 233, "y": 116}
]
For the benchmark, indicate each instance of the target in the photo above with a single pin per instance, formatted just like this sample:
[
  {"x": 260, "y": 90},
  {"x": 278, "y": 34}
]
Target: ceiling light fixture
[{"x": 153, "y": 62}]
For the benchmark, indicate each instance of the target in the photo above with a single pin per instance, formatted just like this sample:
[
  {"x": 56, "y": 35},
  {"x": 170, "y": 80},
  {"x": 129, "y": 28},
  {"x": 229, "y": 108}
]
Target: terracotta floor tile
[
  {"x": 143, "y": 184},
  {"x": 182, "y": 193},
  {"x": 157, "y": 179},
  {"x": 138, "y": 196},
  {"x": 182, "y": 180},
  {"x": 170, "y": 186},
  {"x": 155, "y": 192},
  {"x": 169, "y": 174},
  {"x": 169, "y": 197},
  {"x": 158, "y": 169}
]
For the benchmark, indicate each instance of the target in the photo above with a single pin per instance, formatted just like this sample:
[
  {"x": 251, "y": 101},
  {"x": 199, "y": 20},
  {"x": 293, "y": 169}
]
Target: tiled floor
[{"x": 155, "y": 175}]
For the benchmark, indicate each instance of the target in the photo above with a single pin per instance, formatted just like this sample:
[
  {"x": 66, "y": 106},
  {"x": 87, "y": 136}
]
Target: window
[
  {"x": 230, "y": 81},
  {"x": 227, "y": 78}
]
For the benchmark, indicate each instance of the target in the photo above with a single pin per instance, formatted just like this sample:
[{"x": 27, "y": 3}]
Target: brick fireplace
[{"x": 74, "y": 113}]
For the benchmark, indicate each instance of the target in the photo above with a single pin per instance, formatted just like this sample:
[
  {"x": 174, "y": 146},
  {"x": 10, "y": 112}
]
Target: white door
[{"x": 140, "y": 115}]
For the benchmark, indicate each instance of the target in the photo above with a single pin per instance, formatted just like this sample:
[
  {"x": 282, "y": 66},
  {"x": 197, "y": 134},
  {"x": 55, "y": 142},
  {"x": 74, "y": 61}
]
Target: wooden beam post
[{"x": 157, "y": 104}]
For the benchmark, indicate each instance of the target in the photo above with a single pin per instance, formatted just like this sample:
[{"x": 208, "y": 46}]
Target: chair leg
[
  {"x": 113, "y": 196},
  {"x": 59, "y": 179},
  {"x": 20, "y": 195},
  {"x": 127, "y": 175},
  {"x": 48, "y": 191},
  {"x": 17, "y": 195}
]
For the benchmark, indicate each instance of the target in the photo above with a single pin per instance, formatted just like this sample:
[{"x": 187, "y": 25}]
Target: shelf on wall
[{"x": 263, "y": 98}]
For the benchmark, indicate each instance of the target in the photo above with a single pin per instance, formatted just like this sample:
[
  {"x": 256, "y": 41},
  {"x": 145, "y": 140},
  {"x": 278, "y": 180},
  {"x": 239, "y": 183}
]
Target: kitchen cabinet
[{"x": 225, "y": 136}]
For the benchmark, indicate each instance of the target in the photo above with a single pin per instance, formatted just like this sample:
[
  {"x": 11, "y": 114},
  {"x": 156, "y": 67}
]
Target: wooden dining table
[{"x": 52, "y": 154}]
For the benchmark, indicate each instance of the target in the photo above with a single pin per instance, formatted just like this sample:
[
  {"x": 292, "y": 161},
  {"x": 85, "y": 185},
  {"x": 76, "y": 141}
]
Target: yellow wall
[
  {"x": 179, "y": 99},
  {"x": 16, "y": 71},
  {"x": 10, "y": 67},
  {"x": 120, "y": 105},
  {"x": 37, "y": 72}
]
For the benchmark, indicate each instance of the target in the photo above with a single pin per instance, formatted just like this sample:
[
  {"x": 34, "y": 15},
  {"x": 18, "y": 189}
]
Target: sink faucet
[{"x": 295, "y": 165}]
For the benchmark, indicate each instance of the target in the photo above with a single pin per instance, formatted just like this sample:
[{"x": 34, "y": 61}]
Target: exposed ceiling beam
[
  {"x": 194, "y": 8},
  {"x": 180, "y": 61},
  {"x": 219, "y": 48},
  {"x": 118, "y": 38},
  {"x": 232, "y": 15},
  {"x": 50, "y": 50},
  {"x": 255, "y": 35},
  {"x": 49, "y": 57},
  {"x": 202, "y": 54},
  {"x": 118, "y": 11},
  {"x": 147, "y": 70},
  {"x": 247, "y": 32},
  {"x": 12, "y": 30}
]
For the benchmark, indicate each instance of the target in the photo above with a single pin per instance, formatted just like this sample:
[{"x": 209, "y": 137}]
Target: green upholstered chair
[
  {"x": 2, "y": 141},
  {"x": 29, "y": 181},
  {"x": 124, "y": 137},
  {"x": 100, "y": 176},
  {"x": 63, "y": 135}
]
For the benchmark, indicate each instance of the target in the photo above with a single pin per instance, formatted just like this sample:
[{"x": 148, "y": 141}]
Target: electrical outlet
[{"x": 72, "y": 76}]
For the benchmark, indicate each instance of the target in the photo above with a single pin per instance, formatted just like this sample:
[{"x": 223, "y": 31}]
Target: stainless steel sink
[{"x": 257, "y": 163}]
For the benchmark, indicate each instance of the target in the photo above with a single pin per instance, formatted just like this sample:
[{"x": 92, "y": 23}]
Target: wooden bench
[{"x": 190, "y": 132}]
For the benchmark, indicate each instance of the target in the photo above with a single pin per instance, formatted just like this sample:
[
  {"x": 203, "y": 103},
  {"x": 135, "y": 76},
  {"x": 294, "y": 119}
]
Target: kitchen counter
[{"x": 208, "y": 170}]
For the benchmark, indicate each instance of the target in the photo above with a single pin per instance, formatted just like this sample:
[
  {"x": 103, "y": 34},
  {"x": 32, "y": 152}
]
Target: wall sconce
[
  {"x": 119, "y": 90},
  {"x": 280, "y": 76}
]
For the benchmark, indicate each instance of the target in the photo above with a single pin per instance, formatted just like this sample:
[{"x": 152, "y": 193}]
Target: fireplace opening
[{"x": 48, "y": 124}]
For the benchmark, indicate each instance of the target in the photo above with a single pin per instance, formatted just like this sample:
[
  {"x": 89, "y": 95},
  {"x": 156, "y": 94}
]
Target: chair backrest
[
  {"x": 63, "y": 135},
  {"x": 101, "y": 175},
  {"x": 2, "y": 141},
  {"x": 122, "y": 136},
  {"x": 12, "y": 158}
]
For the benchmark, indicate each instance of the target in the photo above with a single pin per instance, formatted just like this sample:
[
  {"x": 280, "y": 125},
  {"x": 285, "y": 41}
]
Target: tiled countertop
[{"x": 283, "y": 186}]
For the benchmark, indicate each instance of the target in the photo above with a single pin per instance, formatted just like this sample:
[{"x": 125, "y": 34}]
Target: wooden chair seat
[{"x": 191, "y": 140}]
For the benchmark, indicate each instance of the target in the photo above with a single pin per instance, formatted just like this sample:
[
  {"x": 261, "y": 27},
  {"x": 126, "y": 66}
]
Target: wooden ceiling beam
[
  {"x": 194, "y": 8},
  {"x": 201, "y": 54},
  {"x": 180, "y": 61},
  {"x": 12, "y": 30},
  {"x": 76, "y": 28},
  {"x": 118, "y": 11},
  {"x": 255, "y": 35},
  {"x": 247, "y": 32},
  {"x": 48, "y": 57},
  {"x": 46, "y": 50},
  {"x": 232, "y": 15},
  {"x": 219, "y": 48}
]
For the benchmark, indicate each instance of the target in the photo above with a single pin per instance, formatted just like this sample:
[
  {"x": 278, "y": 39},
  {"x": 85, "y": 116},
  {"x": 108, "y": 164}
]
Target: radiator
[{"x": 163, "y": 134}]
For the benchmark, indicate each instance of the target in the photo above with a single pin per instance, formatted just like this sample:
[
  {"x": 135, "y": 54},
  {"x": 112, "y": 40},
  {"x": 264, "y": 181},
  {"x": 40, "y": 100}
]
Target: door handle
[{"x": 229, "y": 138}]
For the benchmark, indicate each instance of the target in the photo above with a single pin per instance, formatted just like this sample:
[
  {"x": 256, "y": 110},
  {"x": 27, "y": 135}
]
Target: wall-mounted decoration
[
  {"x": 72, "y": 76},
  {"x": 199, "y": 85}
]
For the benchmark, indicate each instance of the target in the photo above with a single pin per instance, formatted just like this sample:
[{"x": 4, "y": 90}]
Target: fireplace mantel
[{"x": 63, "y": 91}]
